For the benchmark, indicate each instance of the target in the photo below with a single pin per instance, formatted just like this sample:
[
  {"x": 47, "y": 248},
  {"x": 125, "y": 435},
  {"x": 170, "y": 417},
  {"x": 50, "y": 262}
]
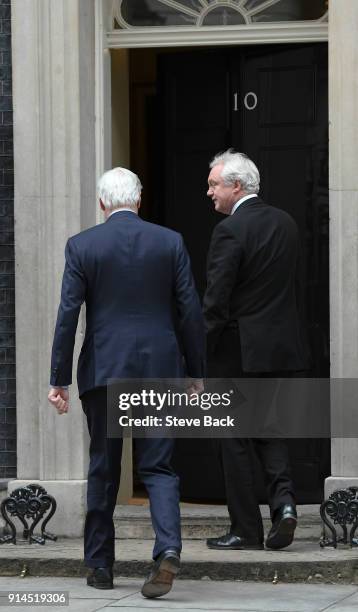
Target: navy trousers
[{"x": 155, "y": 471}]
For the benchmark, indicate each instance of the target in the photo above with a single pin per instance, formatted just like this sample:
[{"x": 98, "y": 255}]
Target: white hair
[
  {"x": 238, "y": 167},
  {"x": 119, "y": 188}
]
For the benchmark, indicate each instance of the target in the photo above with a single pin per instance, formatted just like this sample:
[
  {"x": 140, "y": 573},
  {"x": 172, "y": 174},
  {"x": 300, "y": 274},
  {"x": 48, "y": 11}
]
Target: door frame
[
  {"x": 259, "y": 33},
  {"x": 106, "y": 39}
]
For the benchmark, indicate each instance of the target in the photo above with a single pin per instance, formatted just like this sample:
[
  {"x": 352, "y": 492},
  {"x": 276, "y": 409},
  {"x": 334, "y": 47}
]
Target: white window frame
[
  {"x": 182, "y": 36},
  {"x": 107, "y": 38}
]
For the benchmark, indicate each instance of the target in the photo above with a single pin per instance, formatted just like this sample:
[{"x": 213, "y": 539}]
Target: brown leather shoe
[
  {"x": 229, "y": 541},
  {"x": 160, "y": 579}
]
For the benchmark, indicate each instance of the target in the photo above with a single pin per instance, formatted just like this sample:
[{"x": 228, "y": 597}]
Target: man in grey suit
[{"x": 130, "y": 274}]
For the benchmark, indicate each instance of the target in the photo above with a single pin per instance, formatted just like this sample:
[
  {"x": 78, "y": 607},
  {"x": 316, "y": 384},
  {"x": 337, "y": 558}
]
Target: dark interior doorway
[{"x": 272, "y": 103}]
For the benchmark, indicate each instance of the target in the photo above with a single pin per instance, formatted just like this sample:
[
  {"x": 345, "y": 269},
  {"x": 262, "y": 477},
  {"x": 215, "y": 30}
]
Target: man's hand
[
  {"x": 60, "y": 399},
  {"x": 195, "y": 386}
]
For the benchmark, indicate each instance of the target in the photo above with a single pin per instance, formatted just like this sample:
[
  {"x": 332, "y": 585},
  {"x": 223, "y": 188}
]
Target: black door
[{"x": 270, "y": 102}]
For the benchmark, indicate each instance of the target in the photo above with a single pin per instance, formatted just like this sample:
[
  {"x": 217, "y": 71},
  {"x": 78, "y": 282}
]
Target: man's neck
[
  {"x": 126, "y": 209},
  {"x": 243, "y": 198}
]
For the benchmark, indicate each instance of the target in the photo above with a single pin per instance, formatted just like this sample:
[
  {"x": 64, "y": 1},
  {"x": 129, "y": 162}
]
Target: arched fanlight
[{"x": 130, "y": 14}]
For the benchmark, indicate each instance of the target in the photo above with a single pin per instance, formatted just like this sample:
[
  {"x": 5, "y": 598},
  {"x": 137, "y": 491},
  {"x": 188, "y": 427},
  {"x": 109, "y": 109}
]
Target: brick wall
[{"x": 7, "y": 276}]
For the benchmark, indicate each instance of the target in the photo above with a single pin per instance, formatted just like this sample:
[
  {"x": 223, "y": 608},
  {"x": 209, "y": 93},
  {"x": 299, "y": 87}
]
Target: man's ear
[
  {"x": 238, "y": 187},
  {"x": 139, "y": 203},
  {"x": 102, "y": 205}
]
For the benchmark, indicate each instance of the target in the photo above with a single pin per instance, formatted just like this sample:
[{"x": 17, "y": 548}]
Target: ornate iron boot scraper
[
  {"x": 341, "y": 508},
  {"x": 28, "y": 503}
]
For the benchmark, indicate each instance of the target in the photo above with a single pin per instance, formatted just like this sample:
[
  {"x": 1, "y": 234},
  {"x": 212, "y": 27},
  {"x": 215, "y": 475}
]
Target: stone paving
[{"x": 189, "y": 595}]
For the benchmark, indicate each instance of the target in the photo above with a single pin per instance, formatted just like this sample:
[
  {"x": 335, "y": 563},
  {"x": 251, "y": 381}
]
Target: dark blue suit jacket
[{"x": 129, "y": 273}]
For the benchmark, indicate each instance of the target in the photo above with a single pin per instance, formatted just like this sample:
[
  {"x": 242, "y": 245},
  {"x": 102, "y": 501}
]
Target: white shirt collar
[
  {"x": 120, "y": 210},
  {"x": 242, "y": 200}
]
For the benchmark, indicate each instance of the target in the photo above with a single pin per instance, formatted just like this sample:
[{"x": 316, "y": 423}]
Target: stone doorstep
[
  {"x": 301, "y": 562},
  {"x": 200, "y": 530},
  {"x": 201, "y": 521}
]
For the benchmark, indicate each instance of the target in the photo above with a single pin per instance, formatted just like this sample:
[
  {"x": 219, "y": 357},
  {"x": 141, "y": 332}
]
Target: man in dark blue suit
[{"x": 129, "y": 273}]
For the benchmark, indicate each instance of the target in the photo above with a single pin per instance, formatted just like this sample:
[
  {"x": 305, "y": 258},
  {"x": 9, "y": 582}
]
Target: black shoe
[
  {"x": 160, "y": 579},
  {"x": 101, "y": 578},
  {"x": 229, "y": 541},
  {"x": 283, "y": 527}
]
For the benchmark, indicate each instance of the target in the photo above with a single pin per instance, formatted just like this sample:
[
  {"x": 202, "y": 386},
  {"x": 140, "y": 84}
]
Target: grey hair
[
  {"x": 119, "y": 188},
  {"x": 238, "y": 167}
]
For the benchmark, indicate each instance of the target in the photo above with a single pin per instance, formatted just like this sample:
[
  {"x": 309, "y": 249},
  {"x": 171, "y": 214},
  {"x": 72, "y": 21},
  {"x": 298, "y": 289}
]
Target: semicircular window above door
[{"x": 130, "y": 14}]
